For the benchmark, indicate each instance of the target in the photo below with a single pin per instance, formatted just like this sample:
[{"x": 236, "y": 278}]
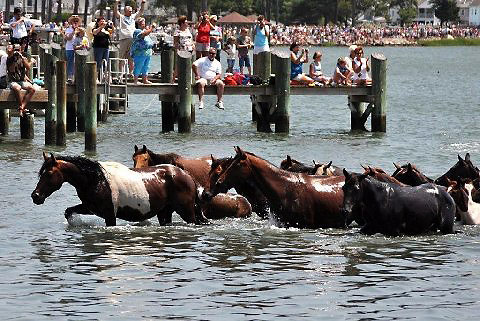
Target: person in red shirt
[{"x": 202, "y": 41}]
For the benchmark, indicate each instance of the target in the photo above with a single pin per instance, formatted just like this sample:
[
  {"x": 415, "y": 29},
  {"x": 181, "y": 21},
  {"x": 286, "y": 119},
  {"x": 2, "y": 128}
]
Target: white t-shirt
[
  {"x": 69, "y": 43},
  {"x": 208, "y": 69},
  {"x": 20, "y": 30},
  {"x": 185, "y": 39},
  {"x": 363, "y": 74},
  {"x": 231, "y": 51},
  {"x": 127, "y": 26},
  {"x": 3, "y": 64}
]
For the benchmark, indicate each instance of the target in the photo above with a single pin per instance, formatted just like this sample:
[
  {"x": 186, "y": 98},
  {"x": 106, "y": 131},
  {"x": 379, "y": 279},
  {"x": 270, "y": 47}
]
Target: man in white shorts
[
  {"x": 126, "y": 29},
  {"x": 208, "y": 71}
]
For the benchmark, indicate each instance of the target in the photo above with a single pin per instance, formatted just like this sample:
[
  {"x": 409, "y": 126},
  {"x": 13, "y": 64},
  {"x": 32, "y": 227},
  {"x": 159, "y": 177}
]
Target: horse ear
[
  {"x": 459, "y": 157},
  {"x": 53, "y": 158},
  {"x": 144, "y": 149},
  {"x": 467, "y": 157},
  {"x": 213, "y": 158},
  {"x": 449, "y": 182},
  {"x": 410, "y": 167},
  {"x": 329, "y": 164},
  {"x": 347, "y": 174},
  {"x": 45, "y": 157},
  {"x": 314, "y": 163},
  {"x": 396, "y": 166},
  {"x": 364, "y": 167},
  {"x": 135, "y": 148}
]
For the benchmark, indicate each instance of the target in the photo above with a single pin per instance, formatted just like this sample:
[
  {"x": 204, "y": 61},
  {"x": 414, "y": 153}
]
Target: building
[{"x": 474, "y": 13}]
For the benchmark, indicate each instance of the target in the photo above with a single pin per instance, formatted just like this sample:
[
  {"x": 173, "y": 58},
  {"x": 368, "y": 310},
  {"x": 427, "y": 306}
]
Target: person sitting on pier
[
  {"x": 3, "y": 70},
  {"x": 361, "y": 68},
  {"x": 316, "y": 70},
  {"x": 17, "y": 66},
  {"x": 342, "y": 74},
  {"x": 296, "y": 63},
  {"x": 208, "y": 71}
]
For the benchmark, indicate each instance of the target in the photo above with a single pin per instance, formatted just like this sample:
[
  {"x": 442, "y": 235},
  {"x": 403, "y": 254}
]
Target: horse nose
[
  {"x": 36, "y": 198},
  {"x": 207, "y": 196}
]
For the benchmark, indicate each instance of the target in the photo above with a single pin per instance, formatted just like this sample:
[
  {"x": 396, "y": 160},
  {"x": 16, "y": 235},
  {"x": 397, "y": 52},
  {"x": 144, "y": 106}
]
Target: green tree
[
  {"x": 445, "y": 10},
  {"x": 407, "y": 15}
]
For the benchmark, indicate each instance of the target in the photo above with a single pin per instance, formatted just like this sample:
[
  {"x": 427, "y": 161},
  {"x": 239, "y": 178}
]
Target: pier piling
[
  {"x": 27, "y": 126},
  {"x": 81, "y": 57},
  {"x": 379, "y": 88},
  {"x": 50, "y": 79},
  {"x": 61, "y": 103},
  {"x": 4, "y": 121},
  {"x": 184, "y": 59},
  {"x": 167, "y": 67},
  {"x": 282, "y": 90},
  {"x": 91, "y": 106}
]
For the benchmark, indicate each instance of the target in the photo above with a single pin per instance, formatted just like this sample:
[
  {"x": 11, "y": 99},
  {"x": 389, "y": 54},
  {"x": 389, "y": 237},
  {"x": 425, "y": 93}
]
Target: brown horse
[
  {"x": 409, "y": 174},
  {"x": 292, "y": 165},
  {"x": 463, "y": 168},
  {"x": 380, "y": 175},
  {"x": 111, "y": 190},
  {"x": 223, "y": 205},
  {"x": 297, "y": 199}
]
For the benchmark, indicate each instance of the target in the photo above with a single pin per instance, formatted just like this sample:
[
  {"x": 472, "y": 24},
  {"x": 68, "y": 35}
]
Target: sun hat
[
  {"x": 74, "y": 18},
  {"x": 352, "y": 48},
  {"x": 213, "y": 17}
]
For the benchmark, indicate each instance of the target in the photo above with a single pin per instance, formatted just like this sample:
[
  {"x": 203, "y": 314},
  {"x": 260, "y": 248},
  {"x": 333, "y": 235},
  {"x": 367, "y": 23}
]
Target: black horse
[
  {"x": 464, "y": 168},
  {"x": 394, "y": 210}
]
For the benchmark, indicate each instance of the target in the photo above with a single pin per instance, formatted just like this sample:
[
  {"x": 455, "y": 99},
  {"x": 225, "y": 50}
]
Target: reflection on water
[{"x": 249, "y": 269}]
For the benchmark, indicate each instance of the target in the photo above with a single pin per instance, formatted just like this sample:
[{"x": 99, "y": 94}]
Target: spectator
[
  {"x": 298, "y": 56},
  {"x": 316, "y": 72},
  {"x": 69, "y": 34},
  {"x": 3, "y": 69},
  {"x": 182, "y": 40},
  {"x": 80, "y": 41},
  {"x": 342, "y": 74},
  {"x": 215, "y": 36},
  {"x": 351, "y": 56},
  {"x": 231, "y": 50},
  {"x": 360, "y": 68},
  {"x": 17, "y": 67},
  {"x": 260, "y": 36},
  {"x": 208, "y": 71},
  {"x": 19, "y": 29},
  {"x": 141, "y": 50},
  {"x": 127, "y": 27},
  {"x": 102, "y": 33},
  {"x": 203, "y": 27},
  {"x": 243, "y": 44}
]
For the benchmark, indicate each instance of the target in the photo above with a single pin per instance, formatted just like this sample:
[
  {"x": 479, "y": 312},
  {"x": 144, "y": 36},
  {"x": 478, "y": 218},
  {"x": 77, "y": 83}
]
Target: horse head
[
  {"x": 459, "y": 193},
  {"x": 463, "y": 168},
  {"x": 286, "y": 163},
  {"x": 51, "y": 179},
  {"x": 141, "y": 157},
  {"x": 352, "y": 194},
  {"x": 410, "y": 175},
  {"x": 292, "y": 165}
]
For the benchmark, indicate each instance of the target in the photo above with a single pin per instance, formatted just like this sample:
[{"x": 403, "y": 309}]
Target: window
[
  {"x": 463, "y": 12},
  {"x": 30, "y": 3}
]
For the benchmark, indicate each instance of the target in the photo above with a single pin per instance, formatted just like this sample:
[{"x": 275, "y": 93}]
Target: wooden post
[
  {"x": 57, "y": 51},
  {"x": 379, "y": 90},
  {"x": 43, "y": 51},
  {"x": 167, "y": 66},
  {"x": 273, "y": 63},
  {"x": 81, "y": 57},
  {"x": 4, "y": 121},
  {"x": 184, "y": 60},
  {"x": 50, "y": 78},
  {"x": 91, "y": 106},
  {"x": 27, "y": 126},
  {"x": 282, "y": 90},
  {"x": 61, "y": 103},
  {"x": 263, "y": 70},
  {"x": 356, "y": 112}
]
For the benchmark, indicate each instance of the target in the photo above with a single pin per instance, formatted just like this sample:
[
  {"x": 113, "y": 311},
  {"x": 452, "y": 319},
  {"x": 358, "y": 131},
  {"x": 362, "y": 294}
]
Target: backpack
[
  {"x": 255, "y": 80},
  {"x": 230, "y": 80},
  {"x": 238, "y": 77}
]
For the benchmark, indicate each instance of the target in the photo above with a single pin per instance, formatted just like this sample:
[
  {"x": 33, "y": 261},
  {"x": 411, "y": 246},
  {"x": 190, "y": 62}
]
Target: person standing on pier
[
  {"x": 141, "y": 50},
  {"x": 101, "y": 41},
  {"x": 182, "y": 40},
  {"x": 243, "y": 44},
  {"x": 208, "y": 71},
  {"x": 215, "y": 36},
  {"x": 126, "y": 28},
  {"x": 260, "y": 36},
  {"x": 73, "y": 22},
  {"x": 19, "y": 29},
  {"x": 202, "y": 40}
]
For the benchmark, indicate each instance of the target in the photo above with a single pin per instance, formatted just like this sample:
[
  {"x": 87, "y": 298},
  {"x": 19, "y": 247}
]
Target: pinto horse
[
  {"x": 467, "y": 208},
  {"x": 464, "y": 168},
  {"x": 221, "y": 206},
  {"x": 409, "y": 174},
  {"x": 394, "y": 210},
  {"x": 111, "y": 190},
  {"x": 297, "y": 199},
  {"x": 292, "y": 165}
]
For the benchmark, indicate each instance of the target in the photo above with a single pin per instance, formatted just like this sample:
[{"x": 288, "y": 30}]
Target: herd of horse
[{"x": 295, "y": 194}]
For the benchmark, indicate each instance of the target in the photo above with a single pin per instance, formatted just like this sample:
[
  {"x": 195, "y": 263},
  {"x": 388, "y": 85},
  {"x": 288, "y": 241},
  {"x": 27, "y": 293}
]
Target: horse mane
[
  {"x": 92, "y": 169},
  {"x": 169, "y": 158}
]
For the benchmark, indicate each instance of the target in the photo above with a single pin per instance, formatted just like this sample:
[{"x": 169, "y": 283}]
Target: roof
[
  {"x": 252, "y": 17},
  {"x": 234, "y": 18}
]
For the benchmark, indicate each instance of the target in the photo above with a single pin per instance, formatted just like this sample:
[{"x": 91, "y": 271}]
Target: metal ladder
[{"x": 116, "y": 79}]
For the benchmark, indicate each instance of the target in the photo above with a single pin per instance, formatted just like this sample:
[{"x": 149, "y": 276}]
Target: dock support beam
[
  {"x": 61, "y": 103},
  {"x": 168, "y": 113},
  {"x": 356, "y": 111},
  {"x": 50, "y": 78},
  {"x": 4, "y": 121},
  {"x": 379, "y": 89},
  {"x": 282, "y": 90},
  {"x": 184, "y": 61},
  {"x": 81, "y": 58},
  {"x": 27, "y": 126},
  {"x": 263, "y": 69},
  {"x": 91, "y": 106}
]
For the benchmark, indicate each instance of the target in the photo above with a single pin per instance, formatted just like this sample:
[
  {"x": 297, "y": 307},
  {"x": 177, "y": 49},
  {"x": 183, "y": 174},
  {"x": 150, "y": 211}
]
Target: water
[{"x": 250, "y": 269}]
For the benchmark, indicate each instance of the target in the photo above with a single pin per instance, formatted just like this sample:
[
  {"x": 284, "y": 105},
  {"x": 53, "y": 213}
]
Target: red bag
[
  {"x": 238, "y": 77},
  {"x": 230, "y": 80}
]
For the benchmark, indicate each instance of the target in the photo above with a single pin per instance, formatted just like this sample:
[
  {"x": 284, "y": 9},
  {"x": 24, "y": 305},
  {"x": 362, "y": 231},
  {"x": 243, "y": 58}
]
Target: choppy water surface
[{"x": 250, "y": 269}]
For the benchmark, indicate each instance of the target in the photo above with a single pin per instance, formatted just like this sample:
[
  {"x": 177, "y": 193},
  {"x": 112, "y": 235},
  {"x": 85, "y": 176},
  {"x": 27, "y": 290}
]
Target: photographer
[
  {"x": 260, "y": 36},
  {"x": 19, "y": 29},
  {"x": 203, "y": 35},
  {"x": 141, "y": 50},
  {"x": 17, "y": 67},
  {"x": 102, "y": 33}
]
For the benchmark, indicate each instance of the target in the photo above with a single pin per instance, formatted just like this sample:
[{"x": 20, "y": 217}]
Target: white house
[
  {"x": 463, "y": 10},
  {"x": 425, "y": 13},
  {"x": 474, "y": 13}
]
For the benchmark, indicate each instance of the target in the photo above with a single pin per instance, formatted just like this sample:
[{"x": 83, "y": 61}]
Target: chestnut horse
[
  {"x": 394, "y": 210},
  {"x": 111, "y": 190},
  {"x": 409, "y": 174},
  {"x": 223, "y": 205},
  {"x": 380, "y": 175},
  {"x": 297, "y": 199},
  {"x": 464, "y": 168}
]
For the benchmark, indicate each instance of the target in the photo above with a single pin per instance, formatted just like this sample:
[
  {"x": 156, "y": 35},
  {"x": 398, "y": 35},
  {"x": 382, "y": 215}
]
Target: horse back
[{"x": 199, "y": 168}]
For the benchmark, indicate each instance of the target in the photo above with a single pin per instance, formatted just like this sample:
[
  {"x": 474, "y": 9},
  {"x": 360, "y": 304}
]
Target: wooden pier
[{"x": 75, "y": 107}]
